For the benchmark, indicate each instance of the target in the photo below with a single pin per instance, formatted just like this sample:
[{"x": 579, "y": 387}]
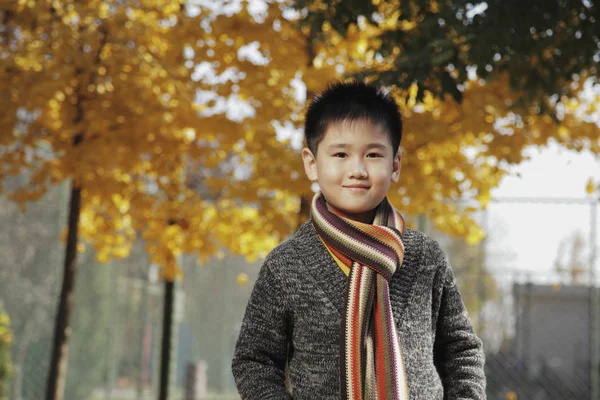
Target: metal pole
[
  {"x": 481, "y": 285},
  {"x": 594, "y": 309},
  {"x": 517, "y": 291},
  {"x": 110, "y": 371},
  {"x": 527, "y": 323},
  {"x": 167, "y": 339}
]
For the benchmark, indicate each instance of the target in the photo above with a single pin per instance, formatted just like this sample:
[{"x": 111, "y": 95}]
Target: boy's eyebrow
[
  {"x": 377, "y": 146},
  {"x": 346, "y": 145},
  {"x": 338, "y": 146}
]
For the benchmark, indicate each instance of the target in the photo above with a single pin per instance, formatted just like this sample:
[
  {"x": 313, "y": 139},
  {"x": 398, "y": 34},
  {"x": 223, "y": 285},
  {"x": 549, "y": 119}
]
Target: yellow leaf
[
  {"x": 242, "y": 279},
  {"x": 589, "y": 188}
]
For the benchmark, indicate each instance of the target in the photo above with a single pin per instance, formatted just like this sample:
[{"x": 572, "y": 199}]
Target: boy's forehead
[{"x": 366, "y": 127}]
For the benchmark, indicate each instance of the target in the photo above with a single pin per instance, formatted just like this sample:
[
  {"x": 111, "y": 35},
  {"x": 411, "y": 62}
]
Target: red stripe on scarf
[
  {"x": 356, "y": 343},
  {"x": 344, "y": 258},
  {"x": 380, "y": 350},
  {"x": 394, "y": 238},
  {"x": 341, "y": 256}
]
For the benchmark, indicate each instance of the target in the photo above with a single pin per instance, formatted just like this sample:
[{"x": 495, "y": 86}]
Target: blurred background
[{"x": 149, "y": 160}]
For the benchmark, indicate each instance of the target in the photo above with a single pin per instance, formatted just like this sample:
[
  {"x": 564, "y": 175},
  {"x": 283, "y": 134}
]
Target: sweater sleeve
[
  {"x": 261, "y": 351},
  {"x": 458, "y": 352}
]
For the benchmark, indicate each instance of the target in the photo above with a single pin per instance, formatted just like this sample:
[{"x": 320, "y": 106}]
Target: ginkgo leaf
[{"x": 590, "y": 187}]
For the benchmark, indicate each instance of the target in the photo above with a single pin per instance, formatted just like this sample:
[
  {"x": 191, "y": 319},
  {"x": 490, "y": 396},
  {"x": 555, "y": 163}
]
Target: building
[{"x": 552, "y": 342}]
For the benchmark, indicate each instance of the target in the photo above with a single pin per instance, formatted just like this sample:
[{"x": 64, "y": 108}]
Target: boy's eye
[
  {"x": 374, "y": 155},
  {"x": 340, "y": 155}
]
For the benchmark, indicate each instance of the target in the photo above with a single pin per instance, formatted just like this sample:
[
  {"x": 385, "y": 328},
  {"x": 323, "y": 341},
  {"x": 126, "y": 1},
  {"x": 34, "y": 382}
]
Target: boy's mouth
[{"x": 357, "y": 187}]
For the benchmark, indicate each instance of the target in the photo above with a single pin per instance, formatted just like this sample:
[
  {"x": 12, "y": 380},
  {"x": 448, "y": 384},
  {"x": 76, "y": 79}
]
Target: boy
[{"x": 357, "y": 305}]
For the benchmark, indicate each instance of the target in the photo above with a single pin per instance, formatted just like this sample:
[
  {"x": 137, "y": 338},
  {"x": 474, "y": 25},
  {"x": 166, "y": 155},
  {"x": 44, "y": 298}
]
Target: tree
[
  {"x": 570, "y": 263},
  {"x": 479, "y": 84},
  {"x": 103, "y": 95},
  {"x": 542, "y": 45}
]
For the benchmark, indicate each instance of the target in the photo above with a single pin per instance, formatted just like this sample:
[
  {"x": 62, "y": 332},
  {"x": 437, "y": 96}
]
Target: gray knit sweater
[{"x": 295, "y": 312}]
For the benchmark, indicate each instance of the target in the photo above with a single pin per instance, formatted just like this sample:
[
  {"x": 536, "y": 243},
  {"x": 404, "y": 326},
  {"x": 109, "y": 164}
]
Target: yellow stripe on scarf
[{"x": 344, "y": 267}]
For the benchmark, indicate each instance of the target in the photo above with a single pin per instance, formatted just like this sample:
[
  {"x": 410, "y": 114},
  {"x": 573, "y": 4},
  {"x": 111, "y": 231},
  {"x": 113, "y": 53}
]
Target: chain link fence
[{"x": 538, "y": 322}]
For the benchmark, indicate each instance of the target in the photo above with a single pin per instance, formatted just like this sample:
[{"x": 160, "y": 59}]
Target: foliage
[
  {"x": 142, "y": 89},
  {"x": 452, "y": 150},
  {"x": 541, "y": 44},
  {"x": 105, "y": 94},
  {"x": 478, "y": 87}
]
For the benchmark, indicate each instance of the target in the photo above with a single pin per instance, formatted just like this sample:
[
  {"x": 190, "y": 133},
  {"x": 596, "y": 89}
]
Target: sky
[{"x": 526, "y": 236}]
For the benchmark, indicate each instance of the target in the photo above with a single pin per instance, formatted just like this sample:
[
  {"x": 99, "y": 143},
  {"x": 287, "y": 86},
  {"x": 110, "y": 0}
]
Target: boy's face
[{"x": 354, "y": 166}]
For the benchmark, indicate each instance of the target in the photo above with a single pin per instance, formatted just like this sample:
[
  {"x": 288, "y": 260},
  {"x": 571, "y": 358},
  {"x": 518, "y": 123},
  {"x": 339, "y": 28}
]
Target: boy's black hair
[{"x": 348, "y": 102}]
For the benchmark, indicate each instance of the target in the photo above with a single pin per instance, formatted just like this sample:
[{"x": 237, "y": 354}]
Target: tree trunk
[
  {"x": 165, "y": 354},
  {"x": 57, "y": 375}
]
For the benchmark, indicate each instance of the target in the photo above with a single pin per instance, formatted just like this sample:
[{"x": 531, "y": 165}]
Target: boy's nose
[{"x": 357, "y": 171}]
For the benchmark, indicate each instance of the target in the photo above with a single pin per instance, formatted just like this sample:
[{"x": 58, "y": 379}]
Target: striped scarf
[{"x": 372, "y": 366}]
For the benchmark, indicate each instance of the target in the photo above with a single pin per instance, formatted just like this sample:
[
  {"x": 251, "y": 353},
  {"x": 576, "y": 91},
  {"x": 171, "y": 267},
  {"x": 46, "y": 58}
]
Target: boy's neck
[{"x": 365, "y": 218}]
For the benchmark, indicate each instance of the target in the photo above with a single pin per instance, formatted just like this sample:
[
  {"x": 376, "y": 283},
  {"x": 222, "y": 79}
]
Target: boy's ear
[
  {"x": 310, "y": 164},
  {"x": 396, "y": 166}
]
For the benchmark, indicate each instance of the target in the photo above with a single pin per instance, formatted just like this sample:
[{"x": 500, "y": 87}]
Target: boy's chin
[{"x": 356, "y": 214}]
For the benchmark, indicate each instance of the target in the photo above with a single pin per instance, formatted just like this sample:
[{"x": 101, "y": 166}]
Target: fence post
[
  {"x": 594, "y": 370},
  {"x": 195, "y": 381}
]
